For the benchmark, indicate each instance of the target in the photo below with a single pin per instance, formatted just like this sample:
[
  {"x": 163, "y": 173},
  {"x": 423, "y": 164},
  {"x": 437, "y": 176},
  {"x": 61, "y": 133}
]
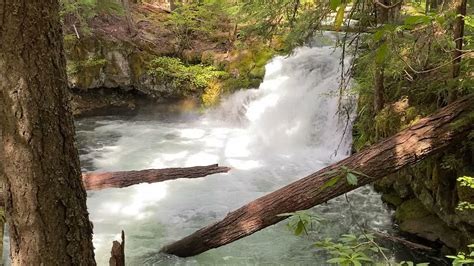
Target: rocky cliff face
[
  {"x": 108, "y": 67},
  {"x": 104, "y": 72},
  {"x": 426, "y": 198},
  {"x": 97, "y": 63}
]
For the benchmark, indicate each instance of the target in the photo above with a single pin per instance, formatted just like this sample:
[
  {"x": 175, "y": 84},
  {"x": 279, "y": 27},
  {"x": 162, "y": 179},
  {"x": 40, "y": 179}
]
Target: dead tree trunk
[
  {"x": 408, "y": 147},
  {"x": 117, "y": 254},
  {"x": 97, "y": 181}
]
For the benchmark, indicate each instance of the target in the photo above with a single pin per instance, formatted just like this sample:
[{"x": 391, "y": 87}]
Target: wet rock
[
  {"x": 433, "y": 229},
  {"x": 392, "y": 198},
  {"x": 430, "y": 195},
  {"x": 411, "y": 210}
]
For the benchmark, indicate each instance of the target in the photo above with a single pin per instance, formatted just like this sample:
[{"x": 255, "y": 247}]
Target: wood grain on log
[
  {"x": 428, "y": 136},
  {"x": 97, "y": 181}
]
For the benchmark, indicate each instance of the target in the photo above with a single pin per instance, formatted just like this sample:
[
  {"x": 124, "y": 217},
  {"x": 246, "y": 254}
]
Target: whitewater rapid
[{"x": 270, "y": 136}]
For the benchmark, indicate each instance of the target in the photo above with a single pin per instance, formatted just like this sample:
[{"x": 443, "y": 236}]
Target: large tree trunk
[
  {"x": 408, "y": 147},
  {"x": 97, "y": 181},
  {"x": 45, "y": 199}
]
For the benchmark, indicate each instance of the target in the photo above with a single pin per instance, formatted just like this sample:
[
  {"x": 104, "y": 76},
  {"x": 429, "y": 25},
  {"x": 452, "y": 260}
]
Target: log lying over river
[
  {"x": 97, "y": 181},
  {"x": 427, "y": 137}
]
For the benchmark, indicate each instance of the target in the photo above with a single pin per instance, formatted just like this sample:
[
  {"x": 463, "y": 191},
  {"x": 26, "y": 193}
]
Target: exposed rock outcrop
[
  {"x": 426, "y": 199},
  {"x": 109, "y": 66}
]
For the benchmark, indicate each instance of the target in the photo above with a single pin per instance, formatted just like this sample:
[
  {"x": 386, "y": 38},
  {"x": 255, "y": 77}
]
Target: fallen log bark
[
  {"x": 428, "y": 136},
  {"x": 396, "y": 239},
  {"x": 97, "y": 181}
]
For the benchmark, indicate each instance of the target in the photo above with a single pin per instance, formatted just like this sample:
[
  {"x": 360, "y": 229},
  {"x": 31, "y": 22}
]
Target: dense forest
[{"x": 160, "y": 132}]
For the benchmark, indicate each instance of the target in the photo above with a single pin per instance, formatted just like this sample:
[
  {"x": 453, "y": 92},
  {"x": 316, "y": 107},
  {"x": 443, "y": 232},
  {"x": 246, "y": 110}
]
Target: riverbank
[{"x": 116, "y": 58}]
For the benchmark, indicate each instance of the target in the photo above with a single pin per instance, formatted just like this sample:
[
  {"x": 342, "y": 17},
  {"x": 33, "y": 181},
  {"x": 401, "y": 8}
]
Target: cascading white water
[{"x": 270, "y": 137}]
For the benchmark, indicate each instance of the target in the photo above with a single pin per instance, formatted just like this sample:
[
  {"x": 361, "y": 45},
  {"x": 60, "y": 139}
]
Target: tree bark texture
[
  {"x": 117, "y": 254},
  {"x": 45, "y": 198},
  {"x": 428, "y": 136},
  {"x": 97, "y": 181},
  {"x": 460, "y": 7}
]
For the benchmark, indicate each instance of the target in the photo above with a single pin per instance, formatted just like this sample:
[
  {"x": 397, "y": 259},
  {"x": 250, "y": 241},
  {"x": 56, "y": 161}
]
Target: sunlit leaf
[
  {"x": 377, "y": 36},
  {"x": 299, "y": 228},
  {"x": 331, "y": 182},
  {"x": 339, "y": 17},
  {"x": 351, "y": 179},
  {"x": 334, "y": 4},
  {"x": 381, "y": 53},
  {"x": 336, "y": 260},
  {"x": 414, "y": 20}
]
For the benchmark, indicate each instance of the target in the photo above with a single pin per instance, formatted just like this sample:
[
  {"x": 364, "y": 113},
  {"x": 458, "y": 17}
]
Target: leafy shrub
[{"x": 185, "y": 78}]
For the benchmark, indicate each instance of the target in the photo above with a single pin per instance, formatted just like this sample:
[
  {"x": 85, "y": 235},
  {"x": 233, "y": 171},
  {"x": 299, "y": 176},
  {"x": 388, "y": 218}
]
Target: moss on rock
[{"x": 410, "y": 210}]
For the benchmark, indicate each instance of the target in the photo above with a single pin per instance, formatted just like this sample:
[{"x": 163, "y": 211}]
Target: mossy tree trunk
[{"x": 45, "y": 199}]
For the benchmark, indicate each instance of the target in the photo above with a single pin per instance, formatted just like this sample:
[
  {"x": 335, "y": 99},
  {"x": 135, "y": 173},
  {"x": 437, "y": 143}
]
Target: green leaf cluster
[
  {"x": 195, "y": 20},
  {"x": 463, "y": 258},
  {"x": 185, "y": 78},
  {"x": 301, "y": 221},
  {"x": 351, "y": 249}
]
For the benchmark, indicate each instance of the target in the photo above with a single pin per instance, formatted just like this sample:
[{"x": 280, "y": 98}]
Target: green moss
[
  {"x": 138, "y": 63},
  {"x": 392, "y": 199},
  {"x": 410, "y": 210},
  {"x": 86, "y": 71}
]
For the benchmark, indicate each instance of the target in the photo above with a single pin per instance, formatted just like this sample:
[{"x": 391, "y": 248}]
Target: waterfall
[
  {"x": 296, "y": 106},
  {"x": 270, "y": 136}
]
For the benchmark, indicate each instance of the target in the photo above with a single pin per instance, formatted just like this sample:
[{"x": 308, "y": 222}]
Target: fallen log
[
  {"x": 428, "y": 136},
  {"x": 97, "y": 181},
  {"x": 406, "y": 243}
]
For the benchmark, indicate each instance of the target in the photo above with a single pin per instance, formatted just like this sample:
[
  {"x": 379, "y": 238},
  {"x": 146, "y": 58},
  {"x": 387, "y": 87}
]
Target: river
[{"x": 270, "y": 136}]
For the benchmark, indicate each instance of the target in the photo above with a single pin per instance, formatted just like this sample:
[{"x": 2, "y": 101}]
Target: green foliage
[
  {"x": 77, "y": 13},
  {"x": 351, "y": 176},
  {"x": 74, "y": 67},
  {"x": 195, "y": 20},
  {"x": 185, "y": 78},
  {"x": 351, "y": 249},
  {"x": 463, "y": 258},
  {"x": 339, "y": 17},
  {"x": 301, "y": 221},
  {"x": 466, "y": 181},
  {"x": 248, "y": 65},
  {"x": 465, "y": 206}
]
